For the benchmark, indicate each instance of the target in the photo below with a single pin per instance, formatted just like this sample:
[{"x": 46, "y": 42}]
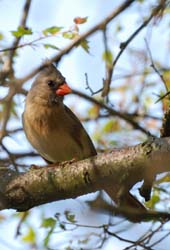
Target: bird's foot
[
  {"x": 57, "y": 164},
  {"x": 64, "y": 163},
  {"x": 34, "y": 167}
]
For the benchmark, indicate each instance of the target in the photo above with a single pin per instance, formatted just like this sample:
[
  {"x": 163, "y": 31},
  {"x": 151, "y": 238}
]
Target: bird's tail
[
  {"x": 132, "y": 202},
  {"x": 128, "y": 201}
]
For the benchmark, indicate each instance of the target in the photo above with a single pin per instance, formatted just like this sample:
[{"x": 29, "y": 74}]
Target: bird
[{"x": 55, "y": 131}]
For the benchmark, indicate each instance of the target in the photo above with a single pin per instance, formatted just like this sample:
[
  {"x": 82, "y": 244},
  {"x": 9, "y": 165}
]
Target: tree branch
[
  {"x": 124, "y": 45},
  {"x": 122, "y": 168},
  {"x": 22, "y": 24},
  {"x": 113, "y": 112},
  {"x": 8, "y": 71},
  {"x": 100, "y": 26}
]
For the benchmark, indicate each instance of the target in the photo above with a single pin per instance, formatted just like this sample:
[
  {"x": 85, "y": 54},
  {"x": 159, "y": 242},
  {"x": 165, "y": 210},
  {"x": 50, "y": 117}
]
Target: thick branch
[{"x": 123, "y": 168}]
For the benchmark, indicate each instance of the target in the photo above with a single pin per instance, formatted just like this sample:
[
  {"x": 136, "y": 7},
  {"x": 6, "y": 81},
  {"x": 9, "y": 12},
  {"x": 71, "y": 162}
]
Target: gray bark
[{"x": 121, "y": 167}]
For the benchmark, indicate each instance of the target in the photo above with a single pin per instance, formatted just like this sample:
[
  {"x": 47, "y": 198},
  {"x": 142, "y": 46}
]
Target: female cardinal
[{"x": 53, "y": 129}]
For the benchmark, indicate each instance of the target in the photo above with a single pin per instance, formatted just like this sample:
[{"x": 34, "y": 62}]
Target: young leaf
[
  {"x": 69, "y": 35},
  {"x": 52, "y": 30},
  {"x": 154, "y": 199},
  {"x": 165, "y": 178},
  {"x": 107, "y": 57},
  {"x": 70, "y": 217},
  {"x": 48, "y": 222},
  {"x": 93, "y": 112},
  {"x": 1, "y": 36},
  {"x": 84, "y": 241},
  {"x": 21, "y": 31},
  {"x": 111, "y": 126},
  {"x": 85, "y": 45},
  {"x": 166, "y": 76},
  {"x": 80, "y": 20},
  {"x": 30, "y": 237},
  {"x": 51, "y": 46}
]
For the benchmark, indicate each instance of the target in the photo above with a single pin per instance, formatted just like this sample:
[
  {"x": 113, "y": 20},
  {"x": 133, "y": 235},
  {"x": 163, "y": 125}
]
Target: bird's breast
[{"x": 51, "y": 135}]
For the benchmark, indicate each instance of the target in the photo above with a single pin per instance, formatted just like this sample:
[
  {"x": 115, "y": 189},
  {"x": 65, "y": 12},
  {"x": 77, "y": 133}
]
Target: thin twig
[
  {"x": 161, "y": 239},
  {"x": 31, "y": 43},
  {"x": 154, "y": 66},
  {"x": 22, "y": 24},
  {"x": 125, "y": 44},
  {"x": 165, "y": 131},
  {"x": 22, "y": 219},
  {"x": 20, "y": 155},
  {"x": 132, "y": 116},
  {"x": 5, "y": 118},
  {"x": 133, "y": 243},
  {"x": 108, "y": 64},
  {"x": 100, "y": 26},
  {"x": 10, "y": 156},
  {"x": 89, "y": 87},
  {"x": 113, "y": 112},
  {"x": 9, "y": 70}
]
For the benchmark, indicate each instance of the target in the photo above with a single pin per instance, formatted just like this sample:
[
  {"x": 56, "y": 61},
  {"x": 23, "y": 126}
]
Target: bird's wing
[{"x": 79, "y": 133}]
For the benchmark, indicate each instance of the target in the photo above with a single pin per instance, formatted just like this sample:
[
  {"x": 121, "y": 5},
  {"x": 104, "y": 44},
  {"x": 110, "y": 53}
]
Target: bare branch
[
  {"x": 5, "y": 118},
  {"x": 124, "y": 45},
  {"x": 7, "y": 69},
  {"x": 113, "y": 112},
  {"x": 155, "y": 68},
  {"x": 100, "y": 26},
  {"x": 22, "y": 24}
]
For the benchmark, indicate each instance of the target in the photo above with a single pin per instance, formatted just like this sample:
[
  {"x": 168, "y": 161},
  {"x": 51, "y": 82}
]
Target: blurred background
[{"x": 140, "y": 77}]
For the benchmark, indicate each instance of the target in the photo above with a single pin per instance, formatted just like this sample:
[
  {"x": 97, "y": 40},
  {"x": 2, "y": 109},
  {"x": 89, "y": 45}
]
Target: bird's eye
[{"x": 51, "y": 83}]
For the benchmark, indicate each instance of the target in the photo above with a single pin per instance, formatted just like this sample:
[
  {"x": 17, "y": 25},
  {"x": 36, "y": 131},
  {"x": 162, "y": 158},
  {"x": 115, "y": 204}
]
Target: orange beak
[{"x": 63, "y": 89}]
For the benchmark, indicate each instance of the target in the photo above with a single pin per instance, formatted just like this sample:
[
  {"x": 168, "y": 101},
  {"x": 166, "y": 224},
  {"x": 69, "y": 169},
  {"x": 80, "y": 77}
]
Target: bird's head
[{"x": 50, "y": 86}]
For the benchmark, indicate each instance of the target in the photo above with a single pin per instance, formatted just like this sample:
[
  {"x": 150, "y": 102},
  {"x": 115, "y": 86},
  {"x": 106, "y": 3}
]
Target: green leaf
[
  {"x": 165, "y": 178},
  {"x": 167, "y": 10},
  {"x": 84, "y": 241},
  {"x": 154, "y": 199},
  {"x": 1, "y": 36},
  {"x": 52, "y": 30},
  {"x": 69, "y": 35},
  {"x": 21, "y": 31},
  {"x": 85, "y": 45},
  {"x": 68, "y": 248},
  {"x": 166, "y": 76},
  {"x": 111, "y": 126},
  {"x": 51, "y": 46},
  {"x": 48, "y": 222},
  {"x": 30, "y": 237},
  {"x": 70, "y": 217},
  {"x": 93, "y": 112},
  {"x": 107, "y": 57}
]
